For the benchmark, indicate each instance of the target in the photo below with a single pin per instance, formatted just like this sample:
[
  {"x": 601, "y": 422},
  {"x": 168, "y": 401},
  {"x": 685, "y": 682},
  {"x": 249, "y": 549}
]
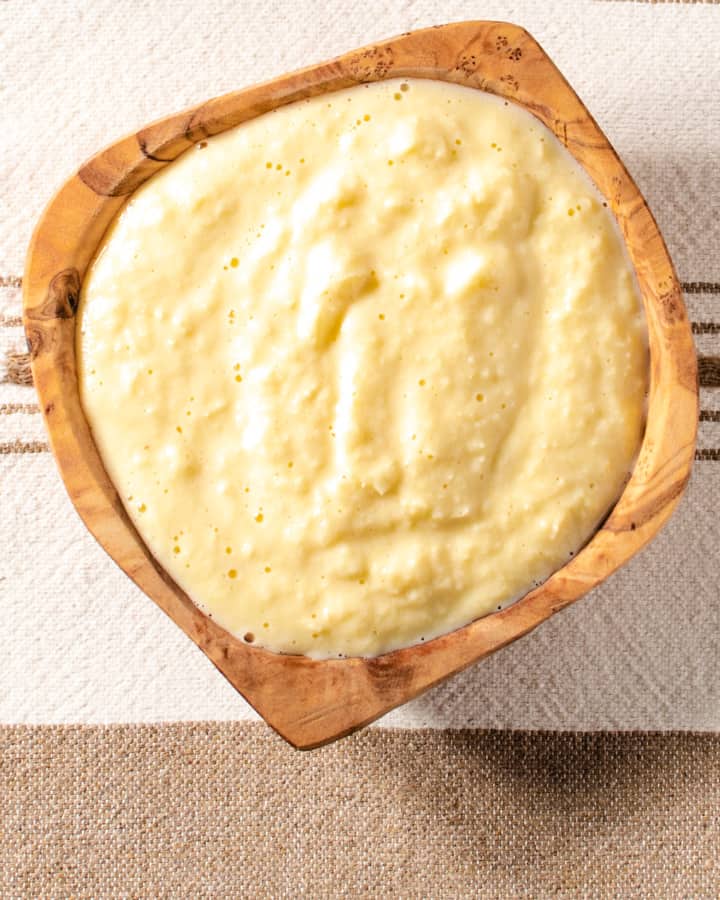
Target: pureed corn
[{"x": 366, "y": 367}]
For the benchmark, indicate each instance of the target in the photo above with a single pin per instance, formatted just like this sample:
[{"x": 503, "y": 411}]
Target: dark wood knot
[{"x": 62, "y": 298}]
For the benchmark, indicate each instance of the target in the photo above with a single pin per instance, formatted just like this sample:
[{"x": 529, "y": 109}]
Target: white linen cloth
[{"x": 79, "y": 642}]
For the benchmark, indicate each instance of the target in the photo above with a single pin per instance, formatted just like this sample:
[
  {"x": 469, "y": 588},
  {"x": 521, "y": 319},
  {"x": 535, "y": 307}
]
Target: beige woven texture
[{"x": 228, "y": 810}]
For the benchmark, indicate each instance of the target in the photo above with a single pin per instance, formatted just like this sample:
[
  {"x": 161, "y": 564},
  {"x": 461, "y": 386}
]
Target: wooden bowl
[{"x": 312, "y": 702}]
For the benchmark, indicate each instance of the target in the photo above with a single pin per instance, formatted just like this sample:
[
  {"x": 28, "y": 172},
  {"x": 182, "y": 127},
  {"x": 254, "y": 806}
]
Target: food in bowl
[{"x": 366, "y": 367}]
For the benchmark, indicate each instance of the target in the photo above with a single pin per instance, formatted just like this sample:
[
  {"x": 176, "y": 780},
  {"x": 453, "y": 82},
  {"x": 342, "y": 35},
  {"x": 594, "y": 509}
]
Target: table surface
[{"x": 225, "y": 809}]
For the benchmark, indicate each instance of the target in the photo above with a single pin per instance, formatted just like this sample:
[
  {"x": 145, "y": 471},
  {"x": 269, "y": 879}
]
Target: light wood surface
[{"x": 312, "y": 702}]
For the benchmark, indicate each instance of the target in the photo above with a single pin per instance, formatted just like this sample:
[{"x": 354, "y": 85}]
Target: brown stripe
[
  {"x": 18, "y": 446},
  {"x": 706, "y": 415},
  {"x": 697, "y": 327},
  {"x": 690, "y": 287},
  {"x": 701, "y": 287},
  {"x": 709, "y": 371},
  {"x": 227, "y": 810},
  {"x": 18, "y": 368},
  {"x": 9, "y": 409},
  {"x": 19, "y": 372}
]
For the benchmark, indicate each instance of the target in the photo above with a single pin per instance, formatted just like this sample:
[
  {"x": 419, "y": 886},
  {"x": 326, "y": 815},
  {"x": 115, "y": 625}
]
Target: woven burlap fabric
[{"x": 228, "y": 810}]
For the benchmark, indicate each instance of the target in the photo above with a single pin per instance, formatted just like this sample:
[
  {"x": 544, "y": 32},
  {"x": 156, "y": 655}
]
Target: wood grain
[{"x": 312, "y": 702}]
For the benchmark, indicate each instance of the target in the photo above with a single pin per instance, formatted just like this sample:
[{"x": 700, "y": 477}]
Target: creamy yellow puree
[{"x": 366, "y": 367}]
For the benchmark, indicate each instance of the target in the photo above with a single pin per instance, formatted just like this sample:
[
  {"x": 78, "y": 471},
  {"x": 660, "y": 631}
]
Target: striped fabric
[{"x": 581, "y": 761}]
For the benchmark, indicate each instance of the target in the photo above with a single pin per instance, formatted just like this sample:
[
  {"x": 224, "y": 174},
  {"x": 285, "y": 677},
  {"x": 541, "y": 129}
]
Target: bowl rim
[{"x": 311, "y": 702}]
